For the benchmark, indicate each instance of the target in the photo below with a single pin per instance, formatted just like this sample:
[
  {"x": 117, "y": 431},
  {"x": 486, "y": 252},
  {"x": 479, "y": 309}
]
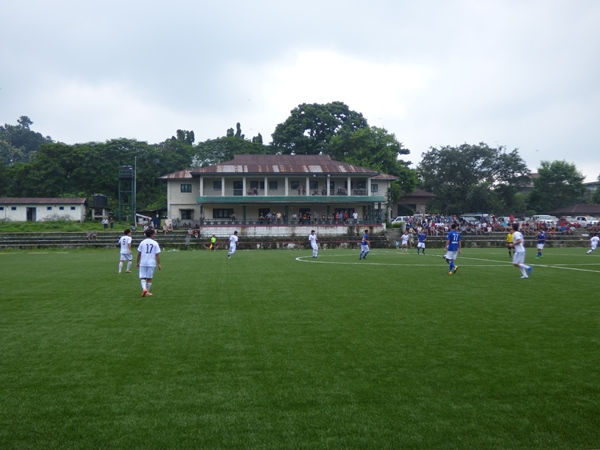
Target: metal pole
[{"x": 133, "y": 201}]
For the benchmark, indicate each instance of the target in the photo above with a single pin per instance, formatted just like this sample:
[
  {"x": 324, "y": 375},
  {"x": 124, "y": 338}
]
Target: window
[
  {"x": 272, "y": 185},
  {"x": 222, "y": 213},
  {"x": 13, "y": 208},
  {"x": 217, "y": 185},
  {"x": 61, "y": 208},
  {"x": 186, "y": 188},
  {"x": 238, "y": 188},
  {"x": 49, "y": 208},
  {"x": 374, "y": 188},
  {"x": 295, "y": 184},
  {"x": 1, "y": 208},
  {"x": 187, "y": 214},
  {"x": 72, "y": 208},
  {"x": 313, "y": 184}
]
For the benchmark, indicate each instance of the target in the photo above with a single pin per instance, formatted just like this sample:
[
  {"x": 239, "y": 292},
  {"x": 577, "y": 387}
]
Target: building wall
[{"x": 18, "y": 213}]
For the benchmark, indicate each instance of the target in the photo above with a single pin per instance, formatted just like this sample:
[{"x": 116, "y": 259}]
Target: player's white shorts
[
  {"x": 126, "y": 256},
  {"x": 421, "y": 245},
  {"x": 147, "y": 271},
  {"x": 594, "y": 246},
  {"x": 404, "y": 243},
  {"x": 519, "y": 258},
  {"x": 540, "y": 246},
  {"x": 314, "y": 246},
  {"x": 364, "y": 248},
  {"x": 232, "y": 249},
  {"x": 451, "y": 255}
]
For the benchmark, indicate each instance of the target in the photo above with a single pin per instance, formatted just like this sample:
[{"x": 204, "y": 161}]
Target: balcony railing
[{"x": 355, "y": 192}]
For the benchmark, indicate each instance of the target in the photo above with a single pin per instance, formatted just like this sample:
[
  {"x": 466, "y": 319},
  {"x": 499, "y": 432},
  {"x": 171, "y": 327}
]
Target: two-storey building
[{"x": 251, "y": 187}]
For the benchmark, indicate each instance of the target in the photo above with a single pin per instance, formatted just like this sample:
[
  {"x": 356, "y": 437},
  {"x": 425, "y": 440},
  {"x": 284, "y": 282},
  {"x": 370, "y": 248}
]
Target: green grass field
[{"x": 276, "y": 350}]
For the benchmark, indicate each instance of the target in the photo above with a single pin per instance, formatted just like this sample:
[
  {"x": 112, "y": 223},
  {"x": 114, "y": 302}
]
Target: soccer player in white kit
[
  {"x": 312, "y": 237},
  {"x": 519, "y": 256},
  {"x": 125, "y": 251},
  {"x": 233, "y": 239},
  {"x": 593, "y": 243},
  {"x": 148, "y": 260},
  {"x": 404, "y": 239}
]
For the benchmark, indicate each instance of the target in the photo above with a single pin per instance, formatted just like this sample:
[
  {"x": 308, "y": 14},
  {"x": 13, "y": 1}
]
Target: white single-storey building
[{"x": 42, "y": 209}]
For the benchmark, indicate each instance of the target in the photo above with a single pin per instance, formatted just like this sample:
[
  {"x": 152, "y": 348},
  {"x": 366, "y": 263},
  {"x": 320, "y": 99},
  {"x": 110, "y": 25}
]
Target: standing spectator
[
  {"x": 213, "y": 242},
  {"x": 111, "y": 222},
  {"x": 233, "y": 217},
  {"x": 233, "y": 240},
  {"x": 105, "y": 223},
  {"x": 453, "y": 249},
  {"x": 125, "y": 251},
  {"x": 355, "y": 217},
  {"x": 148, "y": 260},
  {"x": 314, "y": 243}
]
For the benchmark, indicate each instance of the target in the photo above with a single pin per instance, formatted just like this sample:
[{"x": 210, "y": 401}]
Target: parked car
[
  {"x": 400, "y": 219},
  {"x": 567, "y": 222},
  {"x": 545, "y": 219},
  {"x": 472, "y": 220},
  {"x": 586, "y": 221}
]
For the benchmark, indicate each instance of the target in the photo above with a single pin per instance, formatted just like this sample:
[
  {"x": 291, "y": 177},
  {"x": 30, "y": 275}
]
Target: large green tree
[
  {"x": 596, "y": 194},
  {"x": 214, "y": 151},
  {"x": 557, "y": 185},
  {"x": 18, "y": 143},
  {"x": 311, "y": 127},
  {"x": 473, "y": 178},
  {"x": 376, "y": 149}
]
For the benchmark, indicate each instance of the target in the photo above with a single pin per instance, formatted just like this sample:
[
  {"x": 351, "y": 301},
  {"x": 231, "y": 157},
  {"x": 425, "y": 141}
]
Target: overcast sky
[{"x": 517, "y": 73}]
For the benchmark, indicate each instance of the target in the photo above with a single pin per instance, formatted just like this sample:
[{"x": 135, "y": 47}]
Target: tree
[
  {"x": 311, "y": 127},
  {"x": 596, "y": 194},
  {"x": 472, "y": 178},
  {"x": 214, "y": 151},
  {"x": 379, "y": 150},
  {"x": 558, "y": 184},
  {"x": 18, "y": 143}
]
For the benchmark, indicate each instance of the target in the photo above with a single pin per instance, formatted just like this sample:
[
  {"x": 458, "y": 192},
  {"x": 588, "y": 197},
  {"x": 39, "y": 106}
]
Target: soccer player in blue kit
[
  {"x": 453, "y": 248},
  {"x": 421, "y": 244},
  {"x": 541, "y": 238},
  {"x": 364, "y": 246}
]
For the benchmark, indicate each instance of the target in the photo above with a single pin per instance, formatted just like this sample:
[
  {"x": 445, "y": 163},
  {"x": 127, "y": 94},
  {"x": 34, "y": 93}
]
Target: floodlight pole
[{"x": 133, "y": 201}]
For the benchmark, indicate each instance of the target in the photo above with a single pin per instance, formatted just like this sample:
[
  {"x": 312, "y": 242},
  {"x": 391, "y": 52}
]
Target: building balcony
[{"x": 234, "y": 197}]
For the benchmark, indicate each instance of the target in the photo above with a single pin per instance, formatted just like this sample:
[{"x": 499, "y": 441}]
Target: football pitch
[{"x": 278, "y": 350}]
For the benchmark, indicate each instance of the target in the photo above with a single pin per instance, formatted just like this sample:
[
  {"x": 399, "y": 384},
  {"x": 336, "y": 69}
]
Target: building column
[
  {"x": 286, "y": 190},
  {"x": 307, "y": 185},
  {"x": 201, "y": 187},
  {"x": 349, "y": 186},
  {"x": 266, "y": 186},
  {"x": 244, "y": 187},
  {"x": 222, "y": 186}
]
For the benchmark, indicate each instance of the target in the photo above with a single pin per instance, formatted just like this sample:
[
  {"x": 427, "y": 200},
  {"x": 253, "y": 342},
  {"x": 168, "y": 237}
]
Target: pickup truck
[{"x": 586, "y": 221}]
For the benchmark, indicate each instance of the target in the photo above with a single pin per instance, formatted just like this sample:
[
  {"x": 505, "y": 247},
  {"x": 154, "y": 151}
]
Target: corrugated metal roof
[
  {"x": 291, "y": 164},
  {"x": 45, "y": 201},
  {"x": 182, "y": 174}
]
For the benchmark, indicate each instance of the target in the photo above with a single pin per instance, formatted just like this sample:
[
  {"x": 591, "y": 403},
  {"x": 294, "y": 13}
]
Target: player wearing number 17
[
  {"x": 148, "y": 260},
  {"x": 453, "y": 248}
]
